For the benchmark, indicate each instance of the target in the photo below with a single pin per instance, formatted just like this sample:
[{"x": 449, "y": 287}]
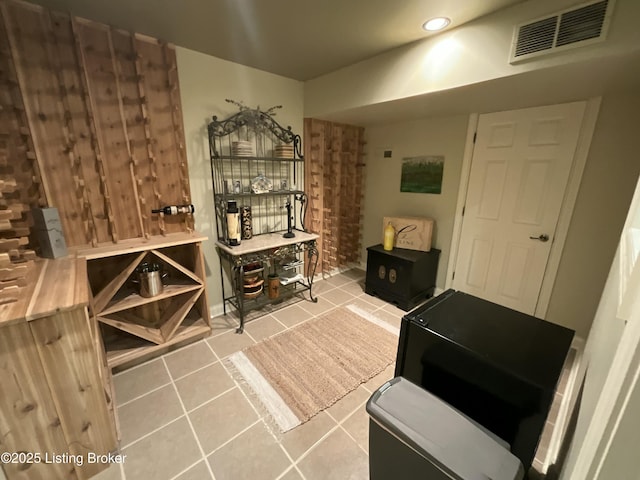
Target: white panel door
[{"x": 519, "y": 172}]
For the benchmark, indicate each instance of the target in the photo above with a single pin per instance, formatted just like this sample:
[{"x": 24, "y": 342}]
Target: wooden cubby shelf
[
  {"x": 132, "y": 325},
  {"x": 127, "y": 298},
  {"x": 122, "y": 349}
]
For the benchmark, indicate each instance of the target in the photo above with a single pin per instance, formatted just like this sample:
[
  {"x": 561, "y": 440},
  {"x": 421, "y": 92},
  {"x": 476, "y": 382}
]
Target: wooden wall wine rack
[
  {"x": 333, "y": 181},
  {"x": 97, "y": 112},
  {"x": 20, "y": 183}
]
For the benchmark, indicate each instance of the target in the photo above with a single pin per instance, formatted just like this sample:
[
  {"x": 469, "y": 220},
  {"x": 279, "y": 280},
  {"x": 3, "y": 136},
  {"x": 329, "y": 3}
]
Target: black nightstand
[{"x": 400, "y": 276}]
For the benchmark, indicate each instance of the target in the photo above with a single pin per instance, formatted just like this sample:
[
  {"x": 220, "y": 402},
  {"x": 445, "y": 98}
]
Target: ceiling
[{"x": 299, "y": 39}]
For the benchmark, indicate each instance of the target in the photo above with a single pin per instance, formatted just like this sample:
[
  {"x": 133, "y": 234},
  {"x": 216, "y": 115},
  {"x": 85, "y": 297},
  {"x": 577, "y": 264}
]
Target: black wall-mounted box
[{"x": 400, "y": 276}]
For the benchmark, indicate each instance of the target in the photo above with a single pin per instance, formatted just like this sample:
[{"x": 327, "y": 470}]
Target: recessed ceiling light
[{"x": 437, "y": 23}]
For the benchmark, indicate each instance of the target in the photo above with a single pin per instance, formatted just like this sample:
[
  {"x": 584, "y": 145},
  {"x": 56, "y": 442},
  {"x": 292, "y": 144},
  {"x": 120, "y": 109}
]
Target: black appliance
[{"x": 498, "y": 366}]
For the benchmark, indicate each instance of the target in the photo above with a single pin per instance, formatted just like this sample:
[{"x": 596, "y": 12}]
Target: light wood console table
[{"x": 56, "y": 386}]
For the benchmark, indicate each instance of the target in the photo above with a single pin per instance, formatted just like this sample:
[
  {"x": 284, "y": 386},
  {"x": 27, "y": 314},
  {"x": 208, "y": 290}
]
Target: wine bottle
[{"x": 175, "y": 209}]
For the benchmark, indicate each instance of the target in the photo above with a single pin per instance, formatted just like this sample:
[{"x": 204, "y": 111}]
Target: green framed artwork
[{"x": 422, "y": 174}]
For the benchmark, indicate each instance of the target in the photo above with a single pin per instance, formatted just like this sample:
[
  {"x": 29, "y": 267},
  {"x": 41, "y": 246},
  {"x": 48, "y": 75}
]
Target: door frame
[{"x": 566, "y": 211}]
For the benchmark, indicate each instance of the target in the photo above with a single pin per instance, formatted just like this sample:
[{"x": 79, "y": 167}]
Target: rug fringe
[
  {"x": 373, "y": 319},
  {"x": 275, "y": 405},
  {"x": 269, "y": 422}
]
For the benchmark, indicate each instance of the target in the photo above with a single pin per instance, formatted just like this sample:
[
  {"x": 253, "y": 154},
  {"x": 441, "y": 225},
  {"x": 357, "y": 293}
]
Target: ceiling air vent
[{"x": 566, "y": 29}]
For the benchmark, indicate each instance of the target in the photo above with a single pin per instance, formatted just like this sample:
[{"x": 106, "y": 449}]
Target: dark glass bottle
[{"x": 175, "y": 209}]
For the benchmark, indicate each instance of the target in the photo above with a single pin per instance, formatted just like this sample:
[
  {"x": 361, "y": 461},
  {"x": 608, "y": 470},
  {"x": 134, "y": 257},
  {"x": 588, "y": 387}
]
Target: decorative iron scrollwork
[{"x": 256, "y": 121}]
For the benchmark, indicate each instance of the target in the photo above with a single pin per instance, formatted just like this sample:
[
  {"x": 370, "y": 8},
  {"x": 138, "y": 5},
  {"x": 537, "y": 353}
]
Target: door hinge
[
  {"x": 475, "y": 134},
  {"x": 453, "y": 276},
  {"x": 463, "y": 209}
]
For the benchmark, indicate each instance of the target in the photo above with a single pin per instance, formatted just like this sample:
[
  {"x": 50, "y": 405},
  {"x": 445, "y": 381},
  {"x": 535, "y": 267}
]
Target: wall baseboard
[{"x": 216, "y": 310}]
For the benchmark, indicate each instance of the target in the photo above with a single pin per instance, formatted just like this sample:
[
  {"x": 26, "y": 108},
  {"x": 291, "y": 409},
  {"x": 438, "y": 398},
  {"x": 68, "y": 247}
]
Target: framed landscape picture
[{"x": 422, "y": 174}]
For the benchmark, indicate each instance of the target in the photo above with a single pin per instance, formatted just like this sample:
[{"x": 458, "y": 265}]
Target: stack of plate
[
  {"x": 283, "y": 151},
  {"x": 253, "y": 280},
  {"x": 242, "y": 148}
]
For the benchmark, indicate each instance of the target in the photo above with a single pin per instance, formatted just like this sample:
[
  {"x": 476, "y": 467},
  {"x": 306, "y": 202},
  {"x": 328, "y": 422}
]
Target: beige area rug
[{"x": 300, "y": 372}]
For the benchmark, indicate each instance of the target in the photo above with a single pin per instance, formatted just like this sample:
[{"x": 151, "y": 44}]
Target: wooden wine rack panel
[
  {"x": 333, "y": 182},
  {"x": 20, "y": 183},
  {"x": 98, "y": 113}
]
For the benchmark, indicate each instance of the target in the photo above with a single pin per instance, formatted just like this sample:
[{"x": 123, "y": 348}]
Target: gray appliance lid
[{"x": 435, "y": 430}]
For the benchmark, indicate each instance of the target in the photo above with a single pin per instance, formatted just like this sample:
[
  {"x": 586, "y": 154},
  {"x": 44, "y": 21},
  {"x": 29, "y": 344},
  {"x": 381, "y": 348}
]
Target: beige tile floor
[{"x": 183, "y": 416}]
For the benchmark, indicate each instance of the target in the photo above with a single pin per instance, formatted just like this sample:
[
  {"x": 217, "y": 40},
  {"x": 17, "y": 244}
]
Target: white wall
[
  {"x": 472, "y": 53},
  {"x": 205, "y": 83},
  {"x": 382, "y": 196},
  {"x": 606, "y": 433},
  {"x": 611, "y": 171},
  {"x": 599, "y": 352},
  {"x": 607, "y": 186},
  {"x": 621, "y": 462}
]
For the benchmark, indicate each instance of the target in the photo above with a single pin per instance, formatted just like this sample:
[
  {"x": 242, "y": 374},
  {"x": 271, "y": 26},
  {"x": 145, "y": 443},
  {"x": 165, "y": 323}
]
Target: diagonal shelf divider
[
  {"x": 123, "y": 349},
  {"x": 130, "y": 299},
  {"x": 125, "y": 296},
  {"x": 169, "y": 321},
  {"x": 177, "y": 266},
  {"x": 175, "y": 314},
  {"x": 129, "y": 322},
  {"x": 107, "y": 293}
]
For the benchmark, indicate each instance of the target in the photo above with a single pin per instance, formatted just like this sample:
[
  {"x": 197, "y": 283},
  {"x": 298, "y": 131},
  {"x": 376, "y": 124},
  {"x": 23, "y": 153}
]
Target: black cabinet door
[{"x": 401, "y": 276}]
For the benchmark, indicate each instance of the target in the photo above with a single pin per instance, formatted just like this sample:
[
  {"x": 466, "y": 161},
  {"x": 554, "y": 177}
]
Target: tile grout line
[
  {"x": 135, "y": 367},
  {"x": 222, "y": 445},
  {"x": 297, "y": 469},
  {"x": 318, "y": 442},
  {"x": 228, "y": 329},
  {"x": 175, "y": 477},
  {"x": 354, "y": 440},
  {"x": 123, "y": 476},
  {"x": 181, "y": 349},
  {"x": 193, "y": 431},
  {"x": 169, "y": 383},
  {"x": 155, "y": 430},
  {"x": 234, "y": 380},
  {"x": 123, "y": 404},
  {"x": 182, "y": 377},
  {"x": 341, "y": 424},
  {"x": 284, "y": 450},
  {"x": 291, "y": 467},
  {"x": 206, "y": 402}
]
